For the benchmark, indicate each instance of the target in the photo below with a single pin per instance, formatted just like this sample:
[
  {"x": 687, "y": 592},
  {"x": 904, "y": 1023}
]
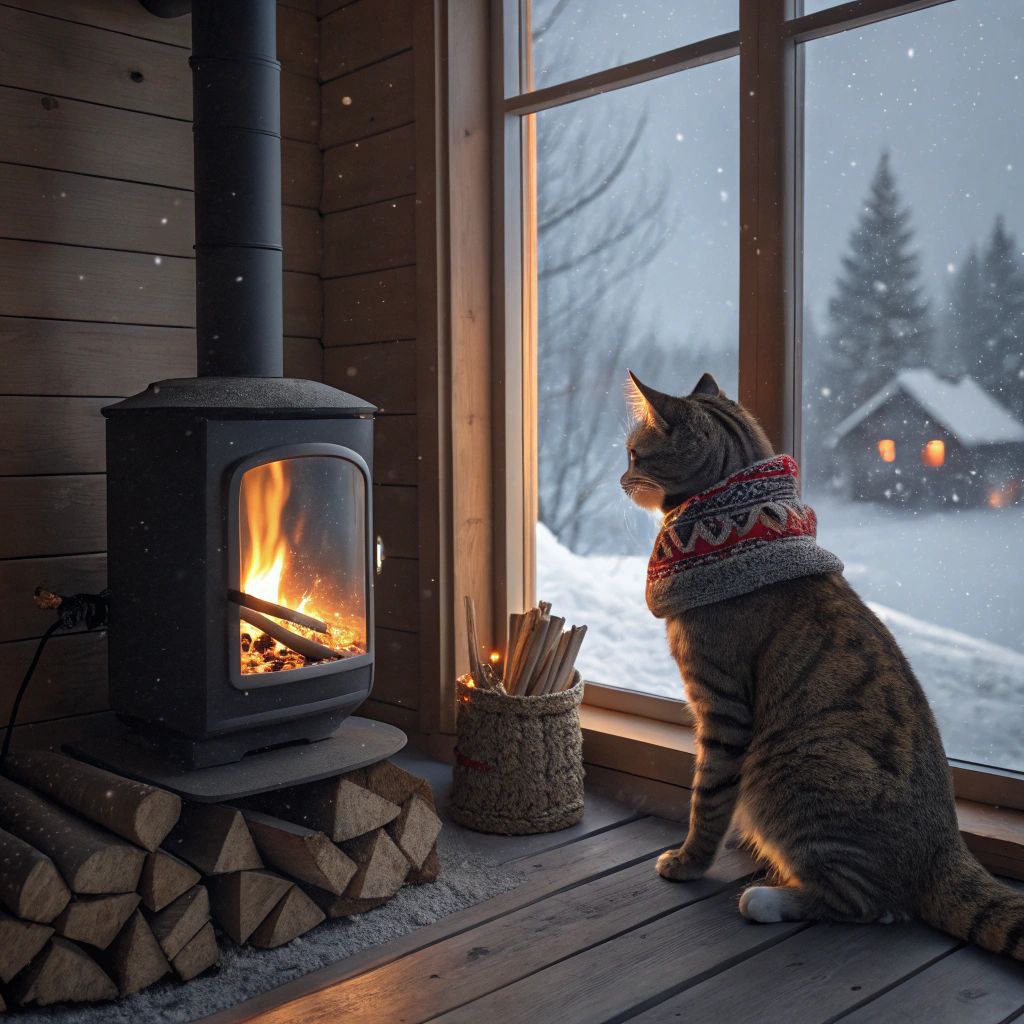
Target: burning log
[
  {"x": 139, "y": 813},
  {"x": 278, "y": 611},
  {"x": 134, "y": 959},
  {"x": 96, "y": 920},
  {"x": 300, "y": 852},
  {"x": 214, "y": 839},
  {"x": 242, "y": 900},
  {"x": 90, "y": 859},
  {"x": 62, "y": 973},
  {"x": 30, "y": 886},
  {"x": 19, "y": 943},
  {"x": 294, "y": 915},
  {"x": 164, "y": 879},
  {"x": 309, "y": 649}
]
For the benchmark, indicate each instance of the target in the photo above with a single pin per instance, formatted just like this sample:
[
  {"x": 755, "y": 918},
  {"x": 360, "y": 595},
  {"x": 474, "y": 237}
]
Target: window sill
[{"x": 651, "y": 763}]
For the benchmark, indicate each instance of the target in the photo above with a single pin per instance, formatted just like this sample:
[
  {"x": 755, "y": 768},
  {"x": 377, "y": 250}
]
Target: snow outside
[{"x": 913, "y": 327}]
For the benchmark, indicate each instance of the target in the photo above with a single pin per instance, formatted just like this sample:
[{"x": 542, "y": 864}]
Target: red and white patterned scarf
[{"x": 745, "y": 532}]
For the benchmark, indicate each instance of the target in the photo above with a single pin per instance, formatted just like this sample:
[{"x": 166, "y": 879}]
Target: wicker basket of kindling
[{"x": 519, "y": 761}]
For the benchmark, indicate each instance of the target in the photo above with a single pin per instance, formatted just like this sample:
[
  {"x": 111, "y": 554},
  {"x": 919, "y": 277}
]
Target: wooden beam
[{"x": 379, "y": 97}]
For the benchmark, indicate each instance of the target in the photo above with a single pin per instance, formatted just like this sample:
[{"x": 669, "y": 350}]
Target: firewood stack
[{"x": 108, "y": 885}]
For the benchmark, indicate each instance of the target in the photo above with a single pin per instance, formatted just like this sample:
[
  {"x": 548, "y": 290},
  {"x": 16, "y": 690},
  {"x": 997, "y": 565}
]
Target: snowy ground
[{"x": 950, "y": 586}]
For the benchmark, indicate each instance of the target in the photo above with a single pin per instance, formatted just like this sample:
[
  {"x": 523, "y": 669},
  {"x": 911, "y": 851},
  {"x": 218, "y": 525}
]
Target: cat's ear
[
  {"x": 707, "y": 385},
  {"x": 648, "y": 404}
]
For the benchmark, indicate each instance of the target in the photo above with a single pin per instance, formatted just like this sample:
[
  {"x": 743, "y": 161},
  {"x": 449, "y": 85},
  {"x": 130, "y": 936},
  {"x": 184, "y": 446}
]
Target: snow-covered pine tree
[
  {"x": 879, "y": 317},
  {"x": 996, "y": 356}
]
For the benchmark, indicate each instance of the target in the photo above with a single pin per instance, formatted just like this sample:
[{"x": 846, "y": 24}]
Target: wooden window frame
[{"x": 771, "y": 164}]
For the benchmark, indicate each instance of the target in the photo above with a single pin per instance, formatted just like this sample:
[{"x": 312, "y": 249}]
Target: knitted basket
[{"x": 519, "y": 761}]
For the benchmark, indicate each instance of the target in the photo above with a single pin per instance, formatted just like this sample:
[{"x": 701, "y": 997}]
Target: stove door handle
[{"x": 379, "y": 553}]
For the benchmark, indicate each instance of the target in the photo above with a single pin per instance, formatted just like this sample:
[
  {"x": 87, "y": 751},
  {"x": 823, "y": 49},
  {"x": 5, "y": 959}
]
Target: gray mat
[{"x": 466, "y": 878}]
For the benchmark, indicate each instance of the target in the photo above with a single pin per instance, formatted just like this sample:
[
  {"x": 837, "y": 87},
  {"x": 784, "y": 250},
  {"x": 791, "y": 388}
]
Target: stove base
[{"x": 357, "y": 743}]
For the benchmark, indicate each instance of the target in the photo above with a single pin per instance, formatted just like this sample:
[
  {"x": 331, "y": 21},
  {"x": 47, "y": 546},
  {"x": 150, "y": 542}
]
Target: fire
[
  {"x": 267, "y": 557},
  {"x": 495, "y": 657}
]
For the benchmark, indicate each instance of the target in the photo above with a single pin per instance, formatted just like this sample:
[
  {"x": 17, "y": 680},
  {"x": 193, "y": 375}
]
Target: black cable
[{"x": 24, "y": 686}]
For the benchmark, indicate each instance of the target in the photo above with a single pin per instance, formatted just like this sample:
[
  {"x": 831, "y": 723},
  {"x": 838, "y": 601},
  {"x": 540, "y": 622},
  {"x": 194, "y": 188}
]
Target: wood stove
[{"x": 239, "y": 501}]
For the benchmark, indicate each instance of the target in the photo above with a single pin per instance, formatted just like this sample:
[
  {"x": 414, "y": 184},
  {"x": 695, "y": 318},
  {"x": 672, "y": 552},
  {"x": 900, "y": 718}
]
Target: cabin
[
  {"x": 310, "y": 312},
  {"x": 927, "y": 439}
]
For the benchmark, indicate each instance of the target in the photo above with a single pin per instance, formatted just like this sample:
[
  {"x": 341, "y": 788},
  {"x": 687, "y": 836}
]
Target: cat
[{"x": 814, "y": 737}]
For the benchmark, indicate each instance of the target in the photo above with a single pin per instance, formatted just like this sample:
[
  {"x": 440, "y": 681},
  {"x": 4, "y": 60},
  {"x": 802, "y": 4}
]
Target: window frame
[{"x": 767, "y": 42}]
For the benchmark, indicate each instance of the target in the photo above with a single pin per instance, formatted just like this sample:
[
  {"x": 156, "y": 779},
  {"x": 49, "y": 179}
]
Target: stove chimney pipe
[{"x": 237, "y": 140}]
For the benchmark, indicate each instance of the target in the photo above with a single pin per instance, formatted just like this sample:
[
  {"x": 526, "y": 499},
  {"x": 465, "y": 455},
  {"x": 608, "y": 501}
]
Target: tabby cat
[{"x": 812, "y": 730}]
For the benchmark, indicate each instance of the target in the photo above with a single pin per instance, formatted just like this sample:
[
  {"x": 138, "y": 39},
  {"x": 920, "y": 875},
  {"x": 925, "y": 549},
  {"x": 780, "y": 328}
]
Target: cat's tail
[{"x": 968, "y": 903}]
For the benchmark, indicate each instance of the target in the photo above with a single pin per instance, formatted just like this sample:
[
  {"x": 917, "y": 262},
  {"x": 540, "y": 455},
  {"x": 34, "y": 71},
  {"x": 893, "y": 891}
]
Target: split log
[
  {"x": 309, "y": 649},
  {"x": 396, "y": 785},
  {"x": 91, "y": 859},
  {"x": 294, "y": 915},
  {"x": 415, "y": 830},
  {"x": 242, "y": 900},
  {"x": 343, "y": 906},
  {"x": 134, "y": 959},
  {"x": 62, "y": 973},
  {"x": 214, "y": 839},
  {"x": 30, "y": 886},
  {"x": 96, "y": 920},
  {"x": 164, "y": 879},
  {"x": 175, "y": 925},
  {"x": 139, "y": 813},
  {"x": 19, "y": 942},
  {"x": 300, "y": 852},
  {"x": 199, "y": 954},
  {"x": 343, "y": 808},
  {"x": 278, "y": 611},
  {"x": 429, "y": 871},
  {"x": 382, "y": 866}
]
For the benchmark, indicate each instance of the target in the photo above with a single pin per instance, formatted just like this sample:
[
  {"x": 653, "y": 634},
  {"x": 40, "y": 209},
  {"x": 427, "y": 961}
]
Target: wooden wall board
[
  {"x": 397, "y": 595},
  {"x": 380, "y": 167},
  {"x": 72, "y": 673},
  {"x": 303, "y": 358},
  {"x": 301, "y": 237},
  {"x": 42, "y": 205},
  {"x": 300, "y": 107},
  {"x": 363, "y": 33},
  {"x": 298, "y": 39},
  {"x": 128, "y": 17},
  {"x": 383, "y": 373},
  {"x": 54, "y": 733},
  {"x": 377, "y": 237},
  {"x": 49, "y": 131},
  {"x": 53, "y": 435},
  {"x": 19, "y": 617},
  {"x": 301, "y": 173},
  {"x": 50, "y": 55},
  {"x": 396, "y": 672},
  {"x": 364, "y": 308},
  {"x": 53, "y": 515},
  {"x": 303, "y": 305},
  {"x": 395, "y": 450},
  {"x": 395, "y": 520},
  {"x": 367, "y": 102}
]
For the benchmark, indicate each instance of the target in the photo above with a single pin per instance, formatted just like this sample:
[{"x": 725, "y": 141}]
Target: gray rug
[{"x": 466, "y": 878}]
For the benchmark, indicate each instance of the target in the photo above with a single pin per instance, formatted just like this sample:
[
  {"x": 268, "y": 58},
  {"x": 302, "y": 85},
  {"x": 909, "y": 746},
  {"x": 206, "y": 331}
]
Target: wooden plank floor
[{"x": 594, "y": 935}]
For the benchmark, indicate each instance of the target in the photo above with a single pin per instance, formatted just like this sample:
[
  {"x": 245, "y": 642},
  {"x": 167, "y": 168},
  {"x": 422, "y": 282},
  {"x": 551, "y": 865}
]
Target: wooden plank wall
[
  {"x": 97, "y": 289},
  {"x": 372, "y": 344}
]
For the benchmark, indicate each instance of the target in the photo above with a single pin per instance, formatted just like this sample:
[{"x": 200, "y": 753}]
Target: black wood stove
[{"x": 241, "y": 563}]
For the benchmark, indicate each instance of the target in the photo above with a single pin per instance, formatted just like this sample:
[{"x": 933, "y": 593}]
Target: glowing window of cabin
[
  {"x": 933, "y": 453},
  {"x": 887, "y": 450}
]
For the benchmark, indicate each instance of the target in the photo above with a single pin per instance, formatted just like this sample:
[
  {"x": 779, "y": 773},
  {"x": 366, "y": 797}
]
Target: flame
[
  {"x": 267, "y": 557},
  {"x": 495, "y": 657}
]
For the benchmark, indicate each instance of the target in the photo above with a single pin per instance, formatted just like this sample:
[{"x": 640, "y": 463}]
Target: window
[{"x": 863, "y": 295}]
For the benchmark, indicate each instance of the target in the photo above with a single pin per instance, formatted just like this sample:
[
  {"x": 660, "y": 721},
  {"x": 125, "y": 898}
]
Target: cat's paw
[{"x": 674, "y": 865}]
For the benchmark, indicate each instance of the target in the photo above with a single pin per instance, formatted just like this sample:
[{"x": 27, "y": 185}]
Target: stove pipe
[{"x": 236, "y": 93}]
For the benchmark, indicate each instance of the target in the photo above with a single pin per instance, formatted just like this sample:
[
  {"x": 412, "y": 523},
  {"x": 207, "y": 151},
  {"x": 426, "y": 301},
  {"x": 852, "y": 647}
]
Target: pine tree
[
  {"x": 963, "y": 325},
  {"x": 880, "y": 321},
  {"x": 996, "y": 357}
]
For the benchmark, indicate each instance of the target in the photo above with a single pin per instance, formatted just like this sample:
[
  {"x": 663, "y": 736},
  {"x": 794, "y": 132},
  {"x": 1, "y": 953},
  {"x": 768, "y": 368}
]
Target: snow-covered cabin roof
[{"x": 963, "y": 407}]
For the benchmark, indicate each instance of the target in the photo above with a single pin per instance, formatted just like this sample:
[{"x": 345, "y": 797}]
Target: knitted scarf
[{"x": 745, "y": 532}]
